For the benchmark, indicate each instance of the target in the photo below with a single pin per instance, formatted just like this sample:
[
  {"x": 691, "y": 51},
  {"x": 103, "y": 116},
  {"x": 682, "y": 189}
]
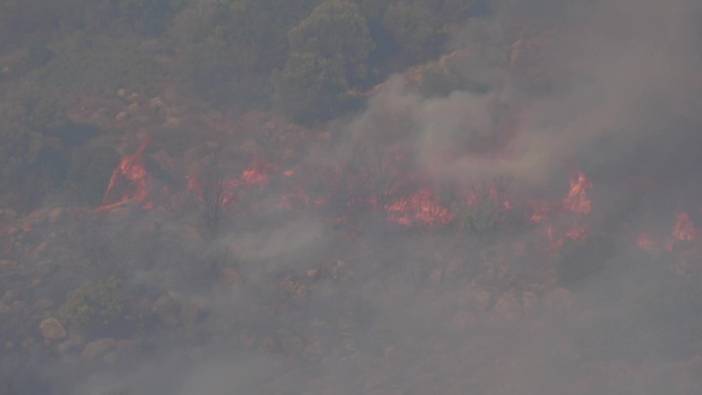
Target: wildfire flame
[
  {"x": 254, "y": 176},
  {"x": 421, "y": 207},
  {"x": 577, "y": 200},
  {"x": 131, "y": 176},
  {"x": 684, "y": 229}
]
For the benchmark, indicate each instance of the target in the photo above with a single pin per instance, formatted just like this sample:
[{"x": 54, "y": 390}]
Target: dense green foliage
[
  {"x": 306, "y": 59},
  {"x": 94, "y": 306}
]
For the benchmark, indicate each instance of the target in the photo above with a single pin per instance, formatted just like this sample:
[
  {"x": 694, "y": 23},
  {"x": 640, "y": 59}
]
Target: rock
[
  {"x": 97, "y": 348},
  {"x": 51, "y": 329}
]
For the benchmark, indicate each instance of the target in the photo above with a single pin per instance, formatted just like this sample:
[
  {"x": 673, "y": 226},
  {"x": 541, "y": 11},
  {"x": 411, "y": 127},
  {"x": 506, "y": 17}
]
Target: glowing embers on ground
[
  {"x": 224, "y": 189},
  {"x": 683, "y": 233},
  {"x": 573, "y": 208},
  {"x": 129, "y": 182},
  {"x": 422, "y": 207}
]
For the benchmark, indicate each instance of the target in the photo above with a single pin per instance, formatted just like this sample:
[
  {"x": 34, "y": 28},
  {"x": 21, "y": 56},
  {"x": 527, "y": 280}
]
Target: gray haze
[{"x": 401, "y": 311}]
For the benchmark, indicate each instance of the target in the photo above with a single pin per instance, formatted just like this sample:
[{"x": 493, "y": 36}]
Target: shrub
[{"x": 95, "y": 306}]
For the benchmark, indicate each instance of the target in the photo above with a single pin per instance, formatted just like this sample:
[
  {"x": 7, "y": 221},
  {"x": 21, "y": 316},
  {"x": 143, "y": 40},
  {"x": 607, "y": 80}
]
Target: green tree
[
  {"x": 144, "y": 16},
  {"x": 337, "y": 31},
  {"x": 33, "y": 161},
  {"x": 329, "y": 53},
  {"x": 228, "y": 49},
  {"x": 416, "y": 29},
  {"x": 96, "y": 306},
  {"x": 310, "y": 87}
]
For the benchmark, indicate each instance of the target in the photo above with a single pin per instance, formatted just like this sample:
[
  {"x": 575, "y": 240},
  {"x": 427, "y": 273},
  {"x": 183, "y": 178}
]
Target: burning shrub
[{"x": 95, "y": 306}]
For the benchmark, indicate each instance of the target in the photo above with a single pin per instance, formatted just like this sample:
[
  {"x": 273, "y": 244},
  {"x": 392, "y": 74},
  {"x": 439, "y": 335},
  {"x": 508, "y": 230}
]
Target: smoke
[{"x": 542, "y": 91}]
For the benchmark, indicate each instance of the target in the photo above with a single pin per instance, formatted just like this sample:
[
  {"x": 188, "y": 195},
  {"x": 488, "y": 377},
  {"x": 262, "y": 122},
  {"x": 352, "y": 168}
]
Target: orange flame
[
  {"x": 254, "y": 177},
  {"x": 684, "y": 229},
  {"x": 421, "y": 207},
  {"x": 577, "y": 200},
  {"x": 556, "y": 241},
  {"x": 250, "y": 177},
  {"x": 132, "y": 172}
]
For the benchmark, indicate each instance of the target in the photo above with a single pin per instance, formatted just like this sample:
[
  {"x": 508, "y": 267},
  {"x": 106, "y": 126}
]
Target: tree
[
  {"x": 310, "y": 87},
  {"x": 329, "y": 53},
  {"x": 144, "y": 16},
  {"x": 229, "y": 48},
  {"x": 336, "y": 31},
  {"x": 33, "y": 159},
  {"x": 415, "y": 28}
]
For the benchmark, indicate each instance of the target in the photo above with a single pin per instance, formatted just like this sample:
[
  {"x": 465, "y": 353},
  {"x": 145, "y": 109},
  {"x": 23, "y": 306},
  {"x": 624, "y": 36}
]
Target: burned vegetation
[{"x": 349, "y": 197}]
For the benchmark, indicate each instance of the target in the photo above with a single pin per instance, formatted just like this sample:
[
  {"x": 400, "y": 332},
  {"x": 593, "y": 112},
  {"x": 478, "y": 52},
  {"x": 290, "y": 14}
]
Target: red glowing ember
[
  {"x": 129, "y": 182},
  {"x": 227, "y": 188},
  {"x": 422, "y": 207},
  {"x": 254, "y": 177},
  {"x": 684, "y": 229},
  {"x": 577, "y": 200}
]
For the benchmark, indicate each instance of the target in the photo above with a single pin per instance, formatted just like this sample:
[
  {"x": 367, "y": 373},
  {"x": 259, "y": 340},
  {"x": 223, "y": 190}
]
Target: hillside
[{"x": 277, "y": 197}]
